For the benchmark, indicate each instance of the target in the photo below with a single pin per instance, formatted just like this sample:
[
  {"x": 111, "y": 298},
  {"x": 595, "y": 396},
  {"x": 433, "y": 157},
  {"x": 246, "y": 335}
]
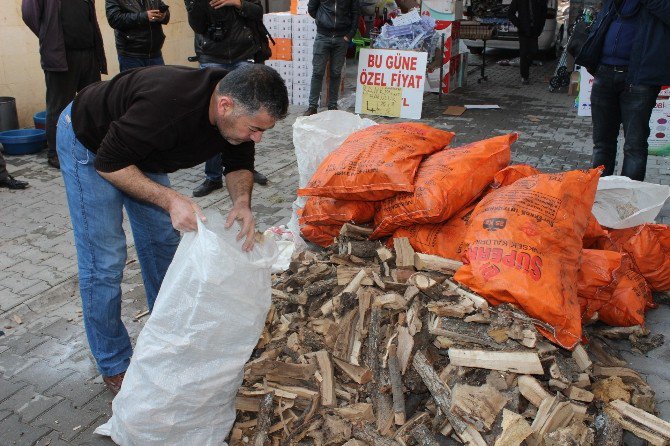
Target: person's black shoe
[
  {"x": 310, "y": 111},
  {"x": 333, "y": 108},
  {"x": 11, "y": 183},
  {"x": 207, "y": 187},
  {"x": 53, "y": 161},
  {"x": 525, "y": 81},
  {"x": 259, "y": 178}
]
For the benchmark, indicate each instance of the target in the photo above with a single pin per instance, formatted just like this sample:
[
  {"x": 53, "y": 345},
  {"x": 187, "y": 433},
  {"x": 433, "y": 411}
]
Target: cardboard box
[{"x": 282, "y": 49}]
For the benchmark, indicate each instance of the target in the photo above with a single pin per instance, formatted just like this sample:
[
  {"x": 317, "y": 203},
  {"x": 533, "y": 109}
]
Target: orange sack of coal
[
  {"x": 524, "y": 247},
  {"x": 648, "y": 246},
  {"x": 329, "y": 211},
  {"x": 377, "y": 162},
  {"x": 598, "y": 277},
  {"x": 322, "y": 235},
  {"x": 446, "y": 182},
  {"x": 631, "y": 298}
]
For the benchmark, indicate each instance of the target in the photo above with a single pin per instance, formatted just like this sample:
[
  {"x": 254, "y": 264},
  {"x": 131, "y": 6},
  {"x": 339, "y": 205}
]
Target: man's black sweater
[{"x": 156, "y": 118}]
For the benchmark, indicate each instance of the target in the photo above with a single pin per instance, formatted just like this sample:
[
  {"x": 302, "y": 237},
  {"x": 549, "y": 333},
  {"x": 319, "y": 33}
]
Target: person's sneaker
[
  {"x": 53, "y": 161},
  {"x": 310, "y": 111},
  {"x": 11, "y": 183},
  {"x": 114, "y": 383},
  {"x": 525, "y": 81},
  {"x": 207, "y": 187},
  {"x": 259, "y": 178}
]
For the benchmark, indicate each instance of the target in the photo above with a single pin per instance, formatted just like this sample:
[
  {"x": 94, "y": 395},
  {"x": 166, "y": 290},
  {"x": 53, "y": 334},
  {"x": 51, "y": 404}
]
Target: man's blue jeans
[
  {"x": 96, "y": 211},
  {"x": 128, "y": 63},
  {"x": 614, "y": 102},
  {"x": 325, "y": 49},
  {"x": 214, "y": 166}
]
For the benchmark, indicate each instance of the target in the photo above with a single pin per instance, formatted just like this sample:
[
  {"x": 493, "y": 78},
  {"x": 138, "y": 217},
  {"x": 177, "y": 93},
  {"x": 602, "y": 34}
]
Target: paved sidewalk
[{"x": 50, "y": 391}]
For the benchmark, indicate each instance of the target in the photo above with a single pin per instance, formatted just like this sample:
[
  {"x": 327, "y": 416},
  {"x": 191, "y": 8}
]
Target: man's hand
[
  {"x": 183, "y": 213},
  {"x": 216, "y": 4},
  {"x": 243, "y": 214},
  {"x": 346, "y": 38},
  {"x": 155, "y": 15}
]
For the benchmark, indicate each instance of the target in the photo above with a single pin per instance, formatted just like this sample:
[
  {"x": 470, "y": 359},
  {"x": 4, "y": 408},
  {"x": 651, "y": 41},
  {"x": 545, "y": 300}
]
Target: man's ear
[{"x": 225, "y": 105}]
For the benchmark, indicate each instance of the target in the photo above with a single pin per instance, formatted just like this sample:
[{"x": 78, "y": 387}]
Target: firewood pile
[{"x": 365, "y": 345}]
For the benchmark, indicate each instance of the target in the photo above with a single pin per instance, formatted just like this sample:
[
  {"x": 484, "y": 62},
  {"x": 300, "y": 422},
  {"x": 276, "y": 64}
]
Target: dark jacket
[
  {"x": 43, "y": 19},
  {"x": 529, "y": 23},
  {"x": 224, "y": 35},
  {"x": 335, "y": 18},
  {"x": 135, "y": 35},
  {"x": 650, "y": 56}
]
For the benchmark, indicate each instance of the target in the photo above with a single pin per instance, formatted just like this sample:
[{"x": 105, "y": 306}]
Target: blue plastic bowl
[
  {"x": 23, "y": 141},
  {"x": 40, "y": 120}
]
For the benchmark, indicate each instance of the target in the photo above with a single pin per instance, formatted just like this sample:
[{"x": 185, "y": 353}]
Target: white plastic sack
[
  {"x": 189, "y": 360},
  {"x": 314, "y": 137},
  {"x": 623, "y": 203}
]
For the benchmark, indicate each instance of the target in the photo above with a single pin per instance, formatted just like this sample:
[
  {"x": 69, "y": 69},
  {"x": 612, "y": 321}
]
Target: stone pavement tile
[
  {"x": 53, "y": 439},
  {"x": 63, "y": 330},
  {"x": 22, "y": 345},
  {"x": 9, "y": 387},
  {"x": 80, "y": 361},
  {"x": 39, "y": 287},
  {"x": 12, "y": 364},
  {"x": 78, "y": 388},
  {"x": 29, "y": 404},
  {"x": 88, "y": 438},
  {"x": 16, "y": 433},
  {"x": 42, "y": 375},
  {"x": 55, "y": 352},
  {"x": 67, "y": 420}
]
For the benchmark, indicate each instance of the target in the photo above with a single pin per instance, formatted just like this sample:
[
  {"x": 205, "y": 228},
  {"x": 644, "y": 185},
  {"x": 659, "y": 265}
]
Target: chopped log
[
  {"x": 615, "y": 371},
  {"x": 396, "y": 387},
  {"x": 449, "y": 307},
  {"x": 479, "y": 302},
  {"x": 318, "y": 288},
  {"x": 532, "y": 390},
  {"x": 428, "y": 262},
  {"x": 393, "y": 301},
  {"x": 384, "y": 254},
  {"x": 581, "y": 358},
  {"x": 551, "y": 415},
  {"x": 608, "y": 431},
  {"x": 335, "y": 430},
  {"x": 368, "y": 434},
  {"x": 328, "y": 398},
  {"x": 641, "y": 423},
  {"x": 623, "y": 332},
  {"x": 583, "y": 381},
  {"x": 404, "y": 432},
  {"x": 604, "y": 355},
  {"x": 423, "y": 436},
  {"x": 354, "y": 231},
  {"x": 477, "y": 405},
  {"x": 575, "y": 393},
  {"x": 345, "y": 274},
  {"x": 439, "y": 390},
  {"x": 405, "y": 347},
  {"x": 575, "y": 434},
  {"x": 611, "y": 389},
  {"x": 300, "y": 299},
  {"x": 356, "y": 412},
  {"x": 354, "y": 442},
  {"x": 280, "y": 372},
  {"x": 515, "y": 429},
  {"x": 264, "y": 420},
  {"x": 360, "y": 248},
  {"x": 526, "y": 335},
  {"x": 404, "y": 253},
  {"x": 361, "y": 375},
  {"x": 462, "y": 338},
  {"x": 518, "y": 362}
]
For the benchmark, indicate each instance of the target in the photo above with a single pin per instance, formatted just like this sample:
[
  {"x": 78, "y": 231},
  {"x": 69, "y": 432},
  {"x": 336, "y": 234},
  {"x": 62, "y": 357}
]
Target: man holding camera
[
  {"x": 224, "y": 39},
  {"x": 138, "y": 31}
]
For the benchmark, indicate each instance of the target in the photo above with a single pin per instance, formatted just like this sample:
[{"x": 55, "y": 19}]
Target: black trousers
[
  {"x": 527, "y": 50},
  {"x": 62, "y": 86},
  {"x": 3, "y": 168}
]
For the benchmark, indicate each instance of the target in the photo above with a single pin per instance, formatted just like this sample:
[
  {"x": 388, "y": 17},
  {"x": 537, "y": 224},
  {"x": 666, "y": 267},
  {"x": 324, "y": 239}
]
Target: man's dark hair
[{"x": 256, "y": 86}]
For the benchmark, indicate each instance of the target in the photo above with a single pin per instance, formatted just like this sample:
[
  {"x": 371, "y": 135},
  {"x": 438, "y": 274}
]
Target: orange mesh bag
[
  {"x": 322, "y": 235},
  {"x": 376, "y": 163},
  {"x": 446, "y": 182},
  {"x": 628, "y": 303},
  {"x": 524, "y": 246},
  {"x": 648, "y": 246},
  {"x": 598, "y": 277},
  {"x": 442, "y": 239},
  {"x": 328, "y": 211}
]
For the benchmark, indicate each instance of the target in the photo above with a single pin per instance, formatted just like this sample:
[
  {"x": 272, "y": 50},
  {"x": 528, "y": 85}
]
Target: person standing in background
[
  {"x": 224, "y": 39},
  {"x": 628, "y": 54},
  {"x": 138, "y": 31},
  {"x": 8, "y": 181},
  {"x": 71, "y": 54},
  {"x": 336, "y": 25},
  {"x": 529, "y": 17}
]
